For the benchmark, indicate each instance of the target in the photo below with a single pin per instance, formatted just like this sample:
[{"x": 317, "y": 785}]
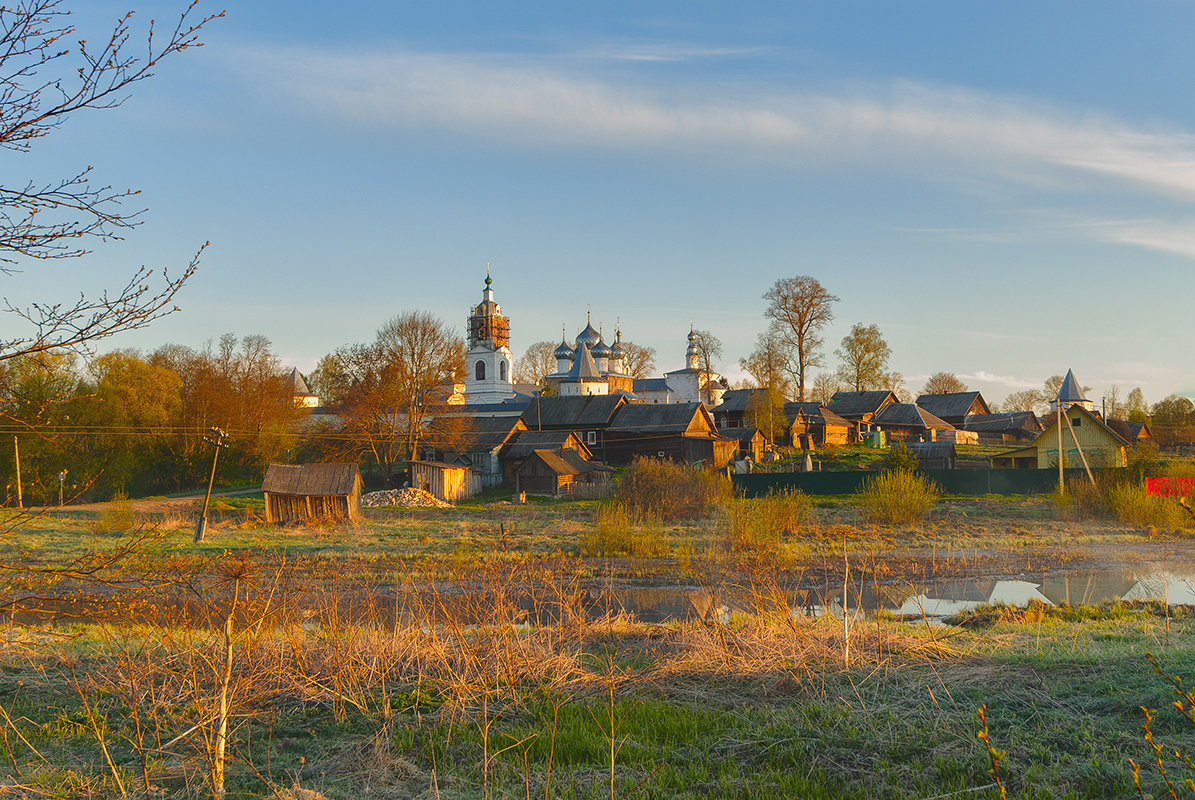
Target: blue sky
[{"x": 1005, "y": 189}]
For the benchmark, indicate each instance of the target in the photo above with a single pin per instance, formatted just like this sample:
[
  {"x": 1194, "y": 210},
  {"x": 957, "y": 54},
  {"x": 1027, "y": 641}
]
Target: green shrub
[
  {"x": 119, "y": 516},
  {"x": 898, "y": 496},
  {"x": 670, "y": 491},
  {"x": 1129, "y": 503},
  {"x": 758, "y": 525},
  {"x": 899, "y": 456},
  {"x": 618, "y": 531},
  {"x": 1083, "y": 499}
]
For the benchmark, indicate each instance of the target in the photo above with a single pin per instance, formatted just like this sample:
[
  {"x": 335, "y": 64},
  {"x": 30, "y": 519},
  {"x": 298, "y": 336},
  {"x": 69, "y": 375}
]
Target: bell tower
[{"x": 488, "y": 373}]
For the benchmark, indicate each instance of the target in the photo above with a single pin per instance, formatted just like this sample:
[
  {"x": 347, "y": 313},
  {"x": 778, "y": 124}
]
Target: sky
[{"x": 1005, "y": 189}]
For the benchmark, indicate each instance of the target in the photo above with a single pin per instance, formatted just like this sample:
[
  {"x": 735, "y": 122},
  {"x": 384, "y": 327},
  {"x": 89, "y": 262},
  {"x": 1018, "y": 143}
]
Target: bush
[
  {"x": 899, "y": 456},
  {"x": 1129, "y": 503},
  {"x": 1084, "y": 500},
  {"x": 758, "y": 525},
  {"x": 670, "y": 491},
  {"x": 617, "y": 531},
  {"x": 898, "y": 496},
  {"x": 119, "y": 516}
]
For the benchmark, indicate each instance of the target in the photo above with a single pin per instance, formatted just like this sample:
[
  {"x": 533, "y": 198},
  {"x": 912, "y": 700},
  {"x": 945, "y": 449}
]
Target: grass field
[{"x": 447, "y": 653}]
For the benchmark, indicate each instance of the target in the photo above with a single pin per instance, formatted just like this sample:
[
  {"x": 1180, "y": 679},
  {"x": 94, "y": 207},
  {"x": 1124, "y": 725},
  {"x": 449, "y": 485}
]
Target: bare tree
[
  {"x": 393, "y": 384},
  {"x": 825, "y": 385},
  {"x": 640, "y": 360},
  {"x": 943, "y": 383},
  {"x": 800, "y": 308},
  {"x": 43, "y": 83},
  {"x": 766, "y": 363},
  {"x": 1024, "y": 400},
  {"x": 863, "y": 358},
  {"x": 709, "y": 347},
  {"x": 538, "y": 360}
]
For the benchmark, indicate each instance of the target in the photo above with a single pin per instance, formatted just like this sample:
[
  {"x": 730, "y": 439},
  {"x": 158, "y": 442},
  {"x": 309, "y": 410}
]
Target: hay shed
[
  {"x": 302, "y": 492},
  {"x": 448, "y": 482}
]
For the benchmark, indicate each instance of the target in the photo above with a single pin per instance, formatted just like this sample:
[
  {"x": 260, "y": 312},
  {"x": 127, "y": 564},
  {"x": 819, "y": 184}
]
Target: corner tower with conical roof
[{"x": 488, "y": 370}]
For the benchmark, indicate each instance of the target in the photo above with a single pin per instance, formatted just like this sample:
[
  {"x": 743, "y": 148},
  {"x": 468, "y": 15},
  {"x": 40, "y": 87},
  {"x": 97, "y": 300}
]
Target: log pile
[{"x": 406, "y": 498}]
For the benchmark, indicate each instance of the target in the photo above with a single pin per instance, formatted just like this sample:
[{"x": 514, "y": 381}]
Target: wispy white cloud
[
  {"x": 663, "y": 51},
  {"x": 546, "y": 101},
  {"x": 1009, "y": 381}
]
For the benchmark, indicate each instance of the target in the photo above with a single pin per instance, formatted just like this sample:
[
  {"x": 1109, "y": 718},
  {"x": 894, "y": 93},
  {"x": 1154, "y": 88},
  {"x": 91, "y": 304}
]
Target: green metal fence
[{"x": 952, "y": 481}]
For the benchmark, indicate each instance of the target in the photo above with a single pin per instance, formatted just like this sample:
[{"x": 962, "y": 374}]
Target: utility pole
[
  {"x": 216, "y": 437},
  {"x": 1058, "y": 422},
  {"x": 16, "y": 451},
  {"x": 61, "y": 481}
]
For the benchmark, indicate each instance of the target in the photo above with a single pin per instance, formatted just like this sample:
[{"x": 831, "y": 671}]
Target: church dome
[
  {"x": 588, "y": 337},
  {"x": 563, "y": 350},
  {"x": 601, "y": 350}
]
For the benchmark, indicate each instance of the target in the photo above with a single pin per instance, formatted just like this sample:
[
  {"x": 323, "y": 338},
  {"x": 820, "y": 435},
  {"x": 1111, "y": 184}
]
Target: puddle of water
[{"x": 933, "y": 600}]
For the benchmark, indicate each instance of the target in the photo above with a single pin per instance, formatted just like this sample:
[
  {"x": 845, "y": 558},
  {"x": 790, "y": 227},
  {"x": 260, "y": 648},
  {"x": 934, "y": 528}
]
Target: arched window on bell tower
[
  {"x": 479, "y": 372},
  {"x": 502, "y": 370}
]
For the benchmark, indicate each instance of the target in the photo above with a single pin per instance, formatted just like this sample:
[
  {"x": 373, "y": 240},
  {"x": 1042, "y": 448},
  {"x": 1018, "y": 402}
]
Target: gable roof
[
  {"x": 570, "y": 462},
  {"x": 850, "y": 404},
  {"x": 472, "y": 433},
  {"x": 1129, "y": 431},
  {"x": 814, "y": 412},
  {"x": 1051, "y": 420},
  {"x": 952, "y": 404},
  {"x": 524, "y": 443},
  {"x": 657, "y": 417},
  {"x": 1005, "y": 421},
  {"x": 650, "y": 384},
  {"x": 908, "y": 415},
  {"x": 1070, "y": 391},
  {"x": 742, "y": 435},
  {"x": 581, "y": 411},
  {"x": 736, "y": 400},
  {"x": 311, "y": 479}
]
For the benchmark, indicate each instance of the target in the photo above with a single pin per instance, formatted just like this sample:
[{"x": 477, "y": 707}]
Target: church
[{"x": 587, "y": 366}]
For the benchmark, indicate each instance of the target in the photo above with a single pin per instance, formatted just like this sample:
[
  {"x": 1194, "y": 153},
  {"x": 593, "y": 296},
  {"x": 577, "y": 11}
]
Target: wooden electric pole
[
  {"x": 217, "y": 438},
  {"x": 16, "y": 451}
]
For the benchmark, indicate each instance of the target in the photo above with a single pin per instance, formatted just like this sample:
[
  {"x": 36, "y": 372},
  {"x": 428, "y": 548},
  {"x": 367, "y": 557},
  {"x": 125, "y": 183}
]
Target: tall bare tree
[
  {"x": 44, "y": 81},
  {"x": 766, "y": 363},
  {"x": 640, "y": 360},
  {"x": 863, "y": 358},
  {"x": 393, "y": 385},
  {"x": 709, "y": 348},
  {"x": 943, "y": 383},
  {"x": 538, "y": 360},
  {"x": 800, "y": 308},
  {"x": 825, "y": 385}
]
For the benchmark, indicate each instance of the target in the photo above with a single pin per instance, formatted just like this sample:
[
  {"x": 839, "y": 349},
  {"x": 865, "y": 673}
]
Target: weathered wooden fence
[{"x": 952, "y": 481}]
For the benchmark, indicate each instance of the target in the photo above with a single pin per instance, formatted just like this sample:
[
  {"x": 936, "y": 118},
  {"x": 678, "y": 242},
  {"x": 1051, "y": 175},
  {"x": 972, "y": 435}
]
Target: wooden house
[
  {"x": 1010, "y": 427},
  {"x": 303, "y": 492},
  {"x": 908, "y": 422},
  {"x": 562, "y": 473},
  {"x": 474, "y": 442},
  {"x": 814, "y": 425},
  {"x": 524, "y": 443},
  {"x": 861, "y": 406},
  {"x": 954, "y": 407},
  {"x": 448, "y": 482},
  {"x": 1100, "y": 445},
  {"x": 1132, "y": 432},
  {"x": 751, "y": 442},
  {"x": 587, "y": 416},
  {"x": 681, "y": 432},
  {"x": 732, "y": 411}
]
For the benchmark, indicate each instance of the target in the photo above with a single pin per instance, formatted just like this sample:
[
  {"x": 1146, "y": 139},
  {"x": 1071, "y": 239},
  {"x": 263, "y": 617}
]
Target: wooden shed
[
  {"x": 447, "y": 482},
  {"x": 563, "y": 474},
  {"x": 302, "y": 492}
]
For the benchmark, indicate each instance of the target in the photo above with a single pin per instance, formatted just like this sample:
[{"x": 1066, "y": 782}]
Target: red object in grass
[{"x": 1170, "y": 487}]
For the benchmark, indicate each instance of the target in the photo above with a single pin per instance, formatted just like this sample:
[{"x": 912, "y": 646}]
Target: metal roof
[
  {"x": 951, "y": 404},
  {"x": 582, "y": 411},
  {"x": 1006, "y": 421},
  {"x": 1070, "y": 391},
  {"x": 584, "y": 367},
  {"x": 524, "y": 443},
  {"x": 655, "y": 417},
  {"x": 815, "y": 412},
  {"x": 311, "y": 479},
  {"x": 736, "y": 400},
  {"x": 908, "y": 415},
  {"x": 849, "y": 404}
]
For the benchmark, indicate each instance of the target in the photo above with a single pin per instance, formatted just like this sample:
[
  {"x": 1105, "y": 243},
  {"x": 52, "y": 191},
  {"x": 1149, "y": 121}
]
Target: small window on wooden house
[
  {"x": 479, "y": 371},
  {"x": 1077, "y": 421},
  {"x": 591, "y": 437}
]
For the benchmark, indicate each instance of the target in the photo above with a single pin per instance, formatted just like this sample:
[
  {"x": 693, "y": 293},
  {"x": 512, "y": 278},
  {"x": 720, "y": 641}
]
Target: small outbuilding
[
  {"x": 303, "y": 492},
  {"x": 447, "y": 482},
  {"x": 563, "y": 473}
]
